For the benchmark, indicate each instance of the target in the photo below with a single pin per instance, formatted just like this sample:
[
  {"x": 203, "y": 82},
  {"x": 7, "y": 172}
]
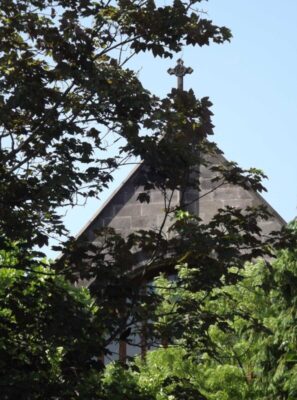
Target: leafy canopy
[
  {"x": 233, "y": 342},
  {"x": 66, "y": 95}
]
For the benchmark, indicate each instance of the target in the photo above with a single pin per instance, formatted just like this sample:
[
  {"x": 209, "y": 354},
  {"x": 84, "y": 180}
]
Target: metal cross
[{"x": 180, "y": 71}]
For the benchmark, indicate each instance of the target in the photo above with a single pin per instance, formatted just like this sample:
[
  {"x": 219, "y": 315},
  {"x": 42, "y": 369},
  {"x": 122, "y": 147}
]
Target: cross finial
[{"x": 180, "y": 71}]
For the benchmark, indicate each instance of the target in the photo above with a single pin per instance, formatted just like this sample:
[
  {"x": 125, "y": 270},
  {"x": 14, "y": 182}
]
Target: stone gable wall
[
  {"x": 211, "y": 199},
  {"x": 126, "y": 214}
]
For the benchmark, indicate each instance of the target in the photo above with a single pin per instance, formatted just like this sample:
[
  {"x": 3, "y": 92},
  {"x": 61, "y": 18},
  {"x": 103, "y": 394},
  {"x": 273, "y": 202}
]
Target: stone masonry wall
[
  {"x": 212, "y": 199},
  {"x": 126, "y": 214}
]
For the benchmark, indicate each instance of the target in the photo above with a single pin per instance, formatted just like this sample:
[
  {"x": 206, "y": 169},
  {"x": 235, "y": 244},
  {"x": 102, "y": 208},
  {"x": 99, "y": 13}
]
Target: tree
[
  {"x": 65, "y": 93},
  {"x": 51, "y": 336},
  {"x": 236, "y": 342}
]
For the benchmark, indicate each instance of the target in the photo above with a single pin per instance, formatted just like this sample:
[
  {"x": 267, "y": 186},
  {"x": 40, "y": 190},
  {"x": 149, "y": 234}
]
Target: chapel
[
  {"x": 126, "y": 214},
  {"x": 123, "y": 211}
]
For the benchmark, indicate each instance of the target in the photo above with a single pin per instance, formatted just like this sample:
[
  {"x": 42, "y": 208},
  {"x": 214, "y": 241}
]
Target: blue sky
[{"x": 252, "y": 83}]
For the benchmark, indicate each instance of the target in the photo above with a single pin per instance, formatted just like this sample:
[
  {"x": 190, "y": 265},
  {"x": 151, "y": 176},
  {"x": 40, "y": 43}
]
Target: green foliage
[
  {"x": 235, "y": 342},
  {"x": 166, "y": 366},
  {"x": 66, "y": 95},
  {"x": 120, "y": 383},
  {"x": 51, "y": 337}
]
